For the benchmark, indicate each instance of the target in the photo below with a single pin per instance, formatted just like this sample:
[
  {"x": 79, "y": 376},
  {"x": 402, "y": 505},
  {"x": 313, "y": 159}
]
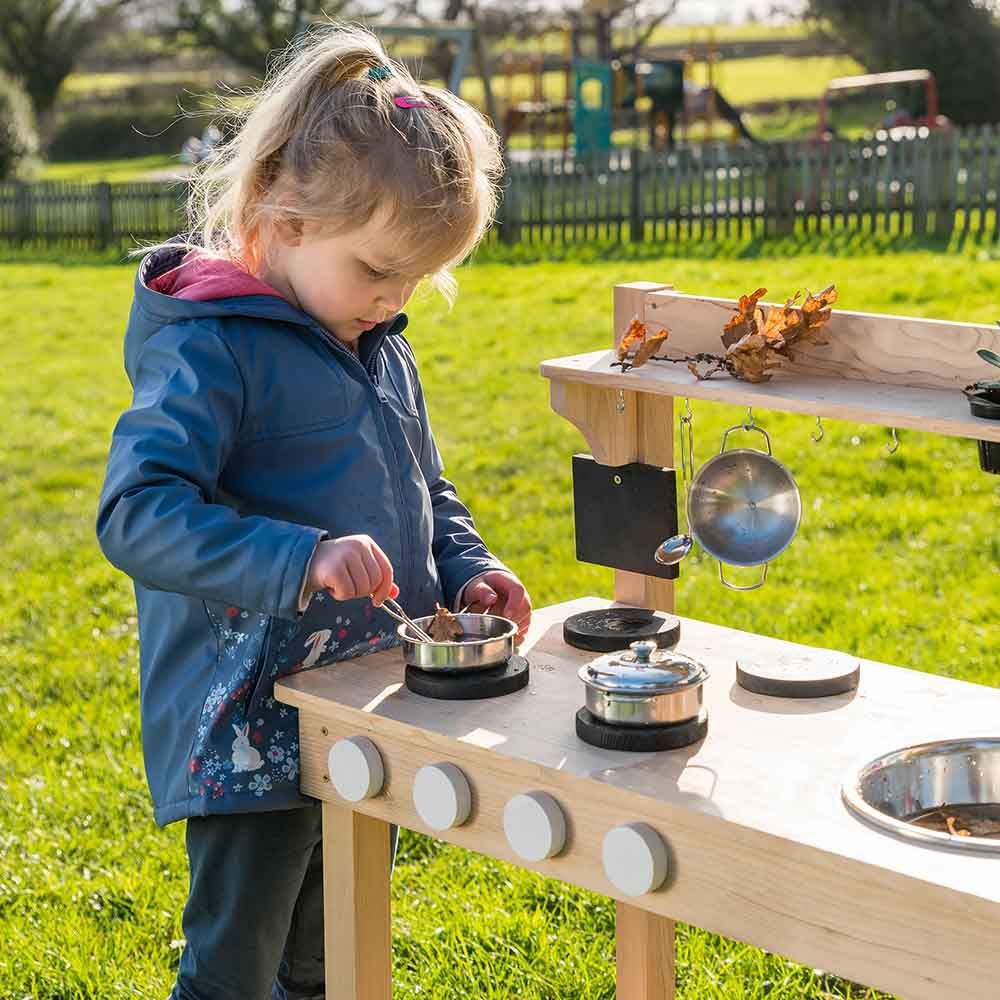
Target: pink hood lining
[{"x": 201, "y": 278}]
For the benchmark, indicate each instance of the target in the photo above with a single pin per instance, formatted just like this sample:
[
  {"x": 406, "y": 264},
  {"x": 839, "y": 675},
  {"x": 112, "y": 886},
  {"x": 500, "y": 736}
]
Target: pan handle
[
  {"x": 733, "y": 586},
  {"x": 747, "y": 427}
]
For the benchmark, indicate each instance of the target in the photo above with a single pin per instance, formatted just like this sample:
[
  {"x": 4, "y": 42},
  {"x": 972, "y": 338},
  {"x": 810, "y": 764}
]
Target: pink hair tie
[{"x": 402, "y": 101}]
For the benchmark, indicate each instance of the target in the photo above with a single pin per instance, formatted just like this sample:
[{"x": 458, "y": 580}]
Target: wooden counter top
[{"x": 762, "y": 848}]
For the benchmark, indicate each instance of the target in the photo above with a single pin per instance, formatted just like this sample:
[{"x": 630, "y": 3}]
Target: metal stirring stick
[{"x": 394, "y": 610}]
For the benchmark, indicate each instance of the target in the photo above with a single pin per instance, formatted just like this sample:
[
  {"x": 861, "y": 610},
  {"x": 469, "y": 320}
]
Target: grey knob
[{"x": 643, "y": 650}]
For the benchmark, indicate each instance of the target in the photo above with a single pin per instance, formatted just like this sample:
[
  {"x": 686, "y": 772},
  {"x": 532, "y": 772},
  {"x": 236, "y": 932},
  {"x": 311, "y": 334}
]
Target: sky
[{"x": 711, "y": 11}]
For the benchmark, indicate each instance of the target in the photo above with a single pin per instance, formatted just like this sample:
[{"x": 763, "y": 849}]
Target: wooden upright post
[
  {"x": 623, "y": 426},
  {"x": 650, "y": 439},
  {"x": 356, "y": 915},
  {"x": 644, "y": 942},
  {"x": 644, "y": 954}
]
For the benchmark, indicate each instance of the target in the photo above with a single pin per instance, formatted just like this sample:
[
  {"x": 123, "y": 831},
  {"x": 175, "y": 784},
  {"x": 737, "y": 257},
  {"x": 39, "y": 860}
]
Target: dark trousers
[{"x": 253, "y": 922}]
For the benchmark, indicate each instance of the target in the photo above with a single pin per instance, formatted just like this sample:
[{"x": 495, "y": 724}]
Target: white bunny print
[
  {"x": 319, "y": 641},
  {"x": 245, "y": 757}
]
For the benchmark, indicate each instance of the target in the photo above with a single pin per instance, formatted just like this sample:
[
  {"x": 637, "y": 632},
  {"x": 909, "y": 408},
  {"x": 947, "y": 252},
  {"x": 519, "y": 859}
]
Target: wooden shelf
[{"x": 936, "y": 411}]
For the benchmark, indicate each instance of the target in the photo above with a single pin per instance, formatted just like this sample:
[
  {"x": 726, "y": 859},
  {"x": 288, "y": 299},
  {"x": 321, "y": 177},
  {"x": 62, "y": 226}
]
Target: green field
[
  {"x": 115, "y": 171},
  {"x": 898, "y": 558}
]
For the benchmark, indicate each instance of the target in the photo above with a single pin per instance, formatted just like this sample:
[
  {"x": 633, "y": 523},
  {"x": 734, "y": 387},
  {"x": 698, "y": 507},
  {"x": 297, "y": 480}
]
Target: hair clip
[
  {"x": 381, "y": 72},
  {"x": 402, "y": 101}
]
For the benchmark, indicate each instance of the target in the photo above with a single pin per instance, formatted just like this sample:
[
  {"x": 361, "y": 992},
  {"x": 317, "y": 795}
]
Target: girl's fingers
[
  {"x": 354, "y": 584},
  {"x": 372, "y": 573}
]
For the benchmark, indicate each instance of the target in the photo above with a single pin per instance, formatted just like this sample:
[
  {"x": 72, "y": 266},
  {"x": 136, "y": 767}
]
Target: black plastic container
[{"x": 986, "y": 403}]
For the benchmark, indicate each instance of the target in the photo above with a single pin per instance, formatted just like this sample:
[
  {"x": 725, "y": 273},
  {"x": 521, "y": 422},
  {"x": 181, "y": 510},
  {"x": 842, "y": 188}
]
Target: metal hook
[
  {"x": 688, "y": 412},
  {"x": 750, "y": 421},
  {"x": 620, "y": 405},
  {"x": 818, "y": 434},
  {"x": 894, "y": 447}
]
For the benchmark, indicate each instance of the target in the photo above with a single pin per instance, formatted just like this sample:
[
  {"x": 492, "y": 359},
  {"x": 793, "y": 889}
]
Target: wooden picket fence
[
  {"x": 911, "y": 183},
  {"x": 908, "y": 183}
]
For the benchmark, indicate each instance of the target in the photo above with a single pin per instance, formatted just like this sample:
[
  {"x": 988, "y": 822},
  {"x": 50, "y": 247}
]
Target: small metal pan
[{"x": 490, "y": 640}]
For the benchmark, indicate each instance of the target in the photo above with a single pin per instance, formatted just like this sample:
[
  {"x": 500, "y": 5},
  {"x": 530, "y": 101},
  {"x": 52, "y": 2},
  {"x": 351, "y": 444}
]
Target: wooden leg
[
  {"x": 644, "y": 954},
  {"x": 357, "y": 923}
]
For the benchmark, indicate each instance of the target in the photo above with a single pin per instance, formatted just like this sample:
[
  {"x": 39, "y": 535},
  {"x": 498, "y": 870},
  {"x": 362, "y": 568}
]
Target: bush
[
  {"x": 122, "y": 132},
  {"x": 18, "y": 138}
]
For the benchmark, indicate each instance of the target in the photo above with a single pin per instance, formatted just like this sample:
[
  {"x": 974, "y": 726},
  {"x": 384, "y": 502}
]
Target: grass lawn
[
  {"x": 898, "y": 558},
  {"x": 135, "y": 168}
]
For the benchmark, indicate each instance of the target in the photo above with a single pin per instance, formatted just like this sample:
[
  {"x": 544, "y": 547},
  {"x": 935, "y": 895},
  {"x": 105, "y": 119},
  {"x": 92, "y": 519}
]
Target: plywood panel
[{"x": 869, "y": 347}]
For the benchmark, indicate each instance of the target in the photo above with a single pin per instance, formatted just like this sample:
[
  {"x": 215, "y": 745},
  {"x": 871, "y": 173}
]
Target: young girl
[{"x": 275, "y": 478}]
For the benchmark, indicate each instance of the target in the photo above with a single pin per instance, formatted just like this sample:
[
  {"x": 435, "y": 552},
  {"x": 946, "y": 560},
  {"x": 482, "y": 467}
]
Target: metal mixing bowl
[
  {"x": 490, "y": 640},
  {"x": 909, "y": 784}
]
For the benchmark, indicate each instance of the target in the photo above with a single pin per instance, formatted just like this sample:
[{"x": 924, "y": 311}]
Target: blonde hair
[{"x": 323, "y": 146}]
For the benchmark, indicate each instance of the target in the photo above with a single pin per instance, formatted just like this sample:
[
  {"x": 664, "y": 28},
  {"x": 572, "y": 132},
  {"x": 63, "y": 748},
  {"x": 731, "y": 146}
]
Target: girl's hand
[
  {"x": 500, "y": 593},
  {"x": 350, "y": 567}
]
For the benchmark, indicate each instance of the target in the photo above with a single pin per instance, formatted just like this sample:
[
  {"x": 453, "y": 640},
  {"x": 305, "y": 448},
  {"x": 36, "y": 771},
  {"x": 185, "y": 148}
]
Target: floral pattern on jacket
[{"x": 246, "y": 745}]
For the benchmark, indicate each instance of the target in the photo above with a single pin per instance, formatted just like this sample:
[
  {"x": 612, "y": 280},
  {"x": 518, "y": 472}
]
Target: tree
[
  {"x": 956, "y": 39},
  {"x": 18, "y": 141},
  {"x": 248, "y": 31},
  {"x": 41, "y": 40}
]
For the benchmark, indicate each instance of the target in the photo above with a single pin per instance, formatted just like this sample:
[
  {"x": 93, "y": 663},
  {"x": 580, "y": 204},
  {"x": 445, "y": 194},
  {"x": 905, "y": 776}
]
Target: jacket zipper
[{"x": 369, "y": 371}]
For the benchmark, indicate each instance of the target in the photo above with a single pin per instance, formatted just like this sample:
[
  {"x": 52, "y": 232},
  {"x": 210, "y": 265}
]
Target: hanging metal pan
[{"x": 744, "y": 507}]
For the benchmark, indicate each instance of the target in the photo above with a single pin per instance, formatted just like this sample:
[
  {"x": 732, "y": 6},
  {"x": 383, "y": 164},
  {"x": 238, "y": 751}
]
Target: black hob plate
[
  {"x": 823, "y": 674},
  {"x": 611, "y": 629},
  {"x": 640, "y": 739},
  {"x": 470, "y": 685}
]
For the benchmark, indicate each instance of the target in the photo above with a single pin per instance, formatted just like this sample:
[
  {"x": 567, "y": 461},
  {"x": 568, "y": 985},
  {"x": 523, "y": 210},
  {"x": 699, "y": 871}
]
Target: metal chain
[{"x": 687, "y": 446}]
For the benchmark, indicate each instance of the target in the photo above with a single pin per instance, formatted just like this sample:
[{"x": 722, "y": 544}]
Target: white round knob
[
  {"x": 535, "y": 826},
  {"x": 635, "y": 858},
  {"x": 355, "y": 767},
  {"x": 442, "y": 796}
]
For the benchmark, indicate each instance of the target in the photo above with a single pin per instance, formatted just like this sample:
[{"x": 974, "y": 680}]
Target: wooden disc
[
  {"x": 471, "y": 684},
  {"x": 819, "y": 675},
  {"x": 611, "y": 629}
]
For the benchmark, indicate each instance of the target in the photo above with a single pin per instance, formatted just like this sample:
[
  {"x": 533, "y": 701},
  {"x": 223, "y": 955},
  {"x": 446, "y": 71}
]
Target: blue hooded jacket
[{"x": 252, "y": 434}]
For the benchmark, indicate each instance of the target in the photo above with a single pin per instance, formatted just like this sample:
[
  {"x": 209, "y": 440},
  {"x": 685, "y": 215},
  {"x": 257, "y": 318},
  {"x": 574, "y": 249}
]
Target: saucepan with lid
[{"x": 644, "y": 686}]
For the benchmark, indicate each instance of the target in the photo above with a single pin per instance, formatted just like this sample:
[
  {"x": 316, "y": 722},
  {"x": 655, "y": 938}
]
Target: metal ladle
[{"x": 672, "y": 550}]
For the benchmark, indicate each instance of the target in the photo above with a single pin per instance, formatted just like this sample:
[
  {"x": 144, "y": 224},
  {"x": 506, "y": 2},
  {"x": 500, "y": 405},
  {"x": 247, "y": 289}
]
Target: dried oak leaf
[
  {"x": 445, "y": 627},
  {"x": 649, "y": 347},
  {"x": 753, "y": 358},
  {"x": 747, "y": 319},
  {"x": 769, "y": 340},
  {"x": 635, "y": 333}
]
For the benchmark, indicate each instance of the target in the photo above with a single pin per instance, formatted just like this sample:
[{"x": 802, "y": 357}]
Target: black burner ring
[
  {"x": 610, "y": 629},
  {"x": 470, "y": 685},
  {"x": 640, "y": 739}
]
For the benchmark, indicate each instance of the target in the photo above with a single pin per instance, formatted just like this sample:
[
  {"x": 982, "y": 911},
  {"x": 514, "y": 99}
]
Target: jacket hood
[{"x": 240, "y": 295}]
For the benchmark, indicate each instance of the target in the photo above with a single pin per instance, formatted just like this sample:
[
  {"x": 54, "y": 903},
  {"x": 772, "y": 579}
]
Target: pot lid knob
[{"x": 643, "y": 650}]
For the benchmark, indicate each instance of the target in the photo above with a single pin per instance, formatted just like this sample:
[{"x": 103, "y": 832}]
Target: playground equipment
[
  {"x": 901, "y": 112},
  {"x": 602, "y": 95}
]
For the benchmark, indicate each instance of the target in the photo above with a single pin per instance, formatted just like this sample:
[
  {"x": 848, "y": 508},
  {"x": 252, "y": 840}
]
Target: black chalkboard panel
[{"x": 622, "y": 513}]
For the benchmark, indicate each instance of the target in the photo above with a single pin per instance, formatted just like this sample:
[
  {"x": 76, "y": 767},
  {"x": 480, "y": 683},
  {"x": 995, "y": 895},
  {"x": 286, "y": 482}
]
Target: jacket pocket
[{"x": 264, "y": 678}]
